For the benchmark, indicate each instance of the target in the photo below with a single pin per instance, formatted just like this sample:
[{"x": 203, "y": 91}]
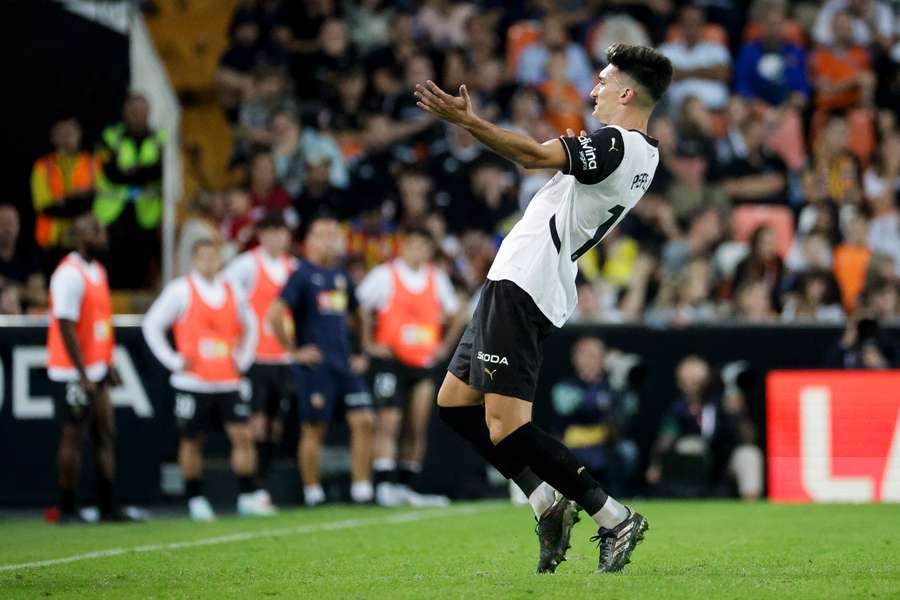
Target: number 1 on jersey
[{"x": 614, "y": 213}]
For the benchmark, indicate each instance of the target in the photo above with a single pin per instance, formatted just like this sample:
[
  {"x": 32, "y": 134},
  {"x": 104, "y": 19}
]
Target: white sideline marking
[{"x": 405, "y": 517}]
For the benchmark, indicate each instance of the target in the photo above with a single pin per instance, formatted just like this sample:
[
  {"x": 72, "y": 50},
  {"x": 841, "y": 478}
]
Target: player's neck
[
  {"x": 631, "y": 119},
  {"x": 85, "y": 254}
]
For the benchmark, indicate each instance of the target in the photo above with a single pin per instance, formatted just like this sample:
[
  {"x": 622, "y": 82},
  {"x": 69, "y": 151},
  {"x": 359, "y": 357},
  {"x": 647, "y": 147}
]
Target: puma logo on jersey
[
  {"x": 490, "y": 373},
  {"x": 495, "y": 359},
  {"x": 612, "y": 145}
]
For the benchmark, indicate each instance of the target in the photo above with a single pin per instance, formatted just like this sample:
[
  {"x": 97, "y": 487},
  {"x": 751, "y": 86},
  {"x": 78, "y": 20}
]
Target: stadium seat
[
  {"x": 747, "y": 217},
  {"x": 712, "y": 33},
  {"x": 519, "y": 36}
]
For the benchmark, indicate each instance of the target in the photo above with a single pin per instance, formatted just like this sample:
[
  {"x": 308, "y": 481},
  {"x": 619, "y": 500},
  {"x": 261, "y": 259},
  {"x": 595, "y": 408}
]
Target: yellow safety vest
[{"x": 128, "y": 154}]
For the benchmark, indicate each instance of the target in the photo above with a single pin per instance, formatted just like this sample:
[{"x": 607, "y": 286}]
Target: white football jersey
[{"x": 608, "y": 173}]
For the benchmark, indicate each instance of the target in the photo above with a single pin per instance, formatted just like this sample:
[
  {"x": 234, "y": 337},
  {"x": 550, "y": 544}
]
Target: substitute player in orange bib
[
  {"x": 411, "y": 300},
  {"x": 80, "y": 344},
  {"x": 215, "y": 339},
  {"x": 260, "y": 274}
]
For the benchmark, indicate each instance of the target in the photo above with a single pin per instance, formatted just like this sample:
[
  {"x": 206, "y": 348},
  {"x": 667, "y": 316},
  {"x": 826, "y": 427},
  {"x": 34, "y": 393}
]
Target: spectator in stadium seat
[
  {"x": 762, "y": 265},
  {"x": 266, "y": 193},
  {"x": 753, "y": 304},
  {"x": 532, "y": 67},
  {"x": 10, "y": 300},
  {"x": 493, "y": 199},
  {"x": 872, "y": 22},
  {"x": 414, "y": 198},
  {"x": 386, "y": 65},
  {"x": 699, "y": 429},
  {"x": 863, "y": 345},
  {"x": 372, "y": 237},
  {"x": 881, "y": 184},
  {"x": 851, "y": 260},
  {"x": 834, "y": 176},
  {"x": 245, "y": 53},
  {"x": 563, "y": 102},
  {"x": 702, "y": 68},
  {"x": 63, "y": 183},
  {"x": 841, "y": 71},
  {"x": 335, "y": 55},
  {"x": 129, "y": 200},
  {"x": 270, "y": 93},
  {"x": 812, "y": 301},
  {"x": 318, "y": 191},
  {"x": 205, "y": 213},
  {"x": 444, "y": 22},
  {"x": 758, "y": 176},
  {"x": 589, "y": 416},
  {"x": 685, "y": 298},
  {"x": 705, "y": 231},
  {"x": 771, "y": 69},
  {"x": 20, "y": 271},
  {"x": 691, "y": 190},
  {"x": 346, "y": 117}
]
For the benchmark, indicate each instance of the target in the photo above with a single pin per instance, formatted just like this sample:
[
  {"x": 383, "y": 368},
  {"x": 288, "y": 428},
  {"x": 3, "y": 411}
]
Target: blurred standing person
[
  {"x": 19, "y": 268},
  {"x": 410, "y": 299},
  {"x": 327, "y": 374},
  {"x": 63, "y": 183},
  {"x": 586, "y": 417},
  {"x": 129, "y": 197},
  {"x": 260, "y": 274},
  {"x": 80, "y": 344},
  {"x": 215, "y": 339}
]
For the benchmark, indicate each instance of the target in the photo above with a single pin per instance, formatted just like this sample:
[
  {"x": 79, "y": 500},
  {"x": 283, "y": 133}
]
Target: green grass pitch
[{"x": 696, "y": 550}]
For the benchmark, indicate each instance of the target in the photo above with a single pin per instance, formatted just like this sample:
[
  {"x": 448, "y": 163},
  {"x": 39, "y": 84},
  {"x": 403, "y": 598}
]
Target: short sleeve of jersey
[
  {"x": 594, "y": 157},
  {"x": 293, "y": 288},
  {"x": 66, "y": 290}
]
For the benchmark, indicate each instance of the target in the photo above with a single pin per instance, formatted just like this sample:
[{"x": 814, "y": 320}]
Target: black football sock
[
  {"x": 193, "y": 488},
  {"x": 554, "y": 463},
  {"x": 105, "y": 501},
  {"x": 264, "y": 451},
  {"x": 469, "y": 422},
  {"x": 383, "y": 470},
  {"x": 246, "y": 485},
  {"x": 407, "y": 471},
  {"x": 67, "y": 502}
]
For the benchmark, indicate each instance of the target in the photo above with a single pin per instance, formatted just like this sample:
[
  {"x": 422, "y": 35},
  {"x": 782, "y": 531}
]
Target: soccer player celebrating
[
  {"x": 487, "y": 393},
  {"x": 260, "y": 274},
  {"x": 80, "y": 344},
  {"x": 215, "y": 339},
  {"x": 411, "y": 299},
  {"x": 327, "y": 375}
]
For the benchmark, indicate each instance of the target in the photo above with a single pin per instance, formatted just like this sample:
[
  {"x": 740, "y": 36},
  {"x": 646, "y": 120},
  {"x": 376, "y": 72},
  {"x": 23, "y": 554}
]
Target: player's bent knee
[{"x": 362, "y": 421}]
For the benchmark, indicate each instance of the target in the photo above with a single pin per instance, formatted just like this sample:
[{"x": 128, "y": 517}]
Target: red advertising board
[{"x": 833, "y": 436}]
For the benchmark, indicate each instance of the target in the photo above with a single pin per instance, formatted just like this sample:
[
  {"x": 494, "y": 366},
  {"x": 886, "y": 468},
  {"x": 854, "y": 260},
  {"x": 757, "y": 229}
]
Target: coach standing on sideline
[
  {"x": 80, "y": 344},
  {"x": 209, "y": 319}
]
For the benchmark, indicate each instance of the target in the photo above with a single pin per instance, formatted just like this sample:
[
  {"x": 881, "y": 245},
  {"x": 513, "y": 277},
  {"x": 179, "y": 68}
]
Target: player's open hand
[{"x": 453, "y": 109}]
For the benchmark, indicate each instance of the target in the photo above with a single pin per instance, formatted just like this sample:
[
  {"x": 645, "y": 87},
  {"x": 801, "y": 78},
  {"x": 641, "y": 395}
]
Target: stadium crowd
[{"x": 775, "y": 198}]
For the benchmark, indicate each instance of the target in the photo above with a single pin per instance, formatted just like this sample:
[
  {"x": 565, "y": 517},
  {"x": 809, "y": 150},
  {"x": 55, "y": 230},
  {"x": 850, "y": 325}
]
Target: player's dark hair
[
  {"x": 416, "y": 230},
  {"x": 649, "y": 68},
  {"x": 271, "y": 220},
  {"x": 202, "y": 243},
  {"x": 325, "y": 213}
]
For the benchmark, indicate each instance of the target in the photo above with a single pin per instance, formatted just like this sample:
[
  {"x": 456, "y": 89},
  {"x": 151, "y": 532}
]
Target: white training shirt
[
  {"x": 171, "y": 305},
  {"x": 66, "y": 294},
  {"x": 608, "y": 172},
  {"x": 241, "y": 272},
  {"x": 376, "y": 289}
]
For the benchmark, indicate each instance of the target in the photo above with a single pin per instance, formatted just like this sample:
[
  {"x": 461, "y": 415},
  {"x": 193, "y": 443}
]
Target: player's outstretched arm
[{"x": 514, "y": 146}]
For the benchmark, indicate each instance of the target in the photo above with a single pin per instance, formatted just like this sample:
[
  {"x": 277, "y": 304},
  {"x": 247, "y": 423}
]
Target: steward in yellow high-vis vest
[{"x": 132, "y": 155}]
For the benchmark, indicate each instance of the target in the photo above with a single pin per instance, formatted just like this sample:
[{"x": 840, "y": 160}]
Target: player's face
[
  {"x": 275, "y": 240},
  {"x": 93, "y": 234},
  {"x": 207, "y": 261},
  {"x": 323, "y": 241},
  {"x": 416, "y": 250},
  {"x": 606, "y": 93}
]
